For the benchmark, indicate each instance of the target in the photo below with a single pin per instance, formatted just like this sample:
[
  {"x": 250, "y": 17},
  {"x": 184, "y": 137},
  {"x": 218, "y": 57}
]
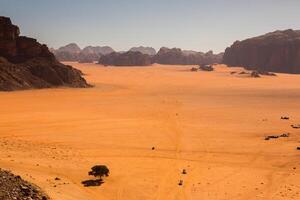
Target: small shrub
[{"x": 99, "y": 171}]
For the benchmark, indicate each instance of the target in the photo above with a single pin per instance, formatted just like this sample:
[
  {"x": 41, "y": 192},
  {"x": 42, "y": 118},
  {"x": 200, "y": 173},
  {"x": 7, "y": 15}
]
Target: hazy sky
[{"x": 189, "y": 24}]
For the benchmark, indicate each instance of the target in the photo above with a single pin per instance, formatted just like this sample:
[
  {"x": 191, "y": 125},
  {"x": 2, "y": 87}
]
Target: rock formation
[
  {"x": 144, "y": 50},
  {"x": 129, "y": 58},
  {"x": 70, "y": 48},
  {"x": 277, "y": 51},
  {"x": 207, "y": 68},
  {"x": 25, "y": 63},
  {"x": 72, "y": 52},
  {"x": 97, "y": 50},
  {"x": 176, "y": 56},
  {"x": 69, "y": 52},
  {"x": 91, "y": 54}
]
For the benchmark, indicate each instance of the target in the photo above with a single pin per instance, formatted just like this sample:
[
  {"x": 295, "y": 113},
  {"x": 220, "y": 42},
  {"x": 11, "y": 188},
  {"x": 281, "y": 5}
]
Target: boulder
[
  {"x": 208, "y": 68},
  {"x": 296, "y": 126},
  {"x": 277, "y": 51},
  {"x": 194, "y": 69},
  {"x": 254, "y": 74}
]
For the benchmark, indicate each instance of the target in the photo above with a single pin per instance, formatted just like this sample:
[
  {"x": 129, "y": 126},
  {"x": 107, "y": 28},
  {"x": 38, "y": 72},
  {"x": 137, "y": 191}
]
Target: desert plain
[{"x": 212, "y": 124}]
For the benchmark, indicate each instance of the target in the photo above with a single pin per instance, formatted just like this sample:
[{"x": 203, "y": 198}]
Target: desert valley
[
  {"x": 212, "y": 124},
  {"x": 171, "y": 124}
]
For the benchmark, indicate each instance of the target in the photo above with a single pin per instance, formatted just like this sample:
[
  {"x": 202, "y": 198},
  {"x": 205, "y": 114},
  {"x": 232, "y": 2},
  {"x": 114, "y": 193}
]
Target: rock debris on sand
[
  {"x": 277, "y": 136},
  {"x": 14, "y": 187}
]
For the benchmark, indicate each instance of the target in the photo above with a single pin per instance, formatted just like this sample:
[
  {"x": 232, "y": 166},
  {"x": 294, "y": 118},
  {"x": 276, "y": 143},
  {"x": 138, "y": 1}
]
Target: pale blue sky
[{"x": 188, "y": 24}]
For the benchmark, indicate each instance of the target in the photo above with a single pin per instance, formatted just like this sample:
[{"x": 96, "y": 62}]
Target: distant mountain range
[
  {"x": 129, "y": 58},
  {"x": 72, "y": 52},
  {"x": 144, "y": 50},
  {"x": 176, "y": 56}
]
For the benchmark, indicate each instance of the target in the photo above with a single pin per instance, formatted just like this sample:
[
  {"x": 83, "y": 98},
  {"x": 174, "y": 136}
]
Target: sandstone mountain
[
  {"x": 72, "y": 52},
  {"x": 191, "y": 52},
  {"x": 25, "y": 63},
  {"x": 70, "y": 48},
  {"x": 69, "y": 52},
  {"x": 277, "y": 51},
  {"x": 130, "y": 58},
  {"x": 91, "y": 54},
  {"x": 144, "y": 50},
  {"x": 176, "y": 56}
]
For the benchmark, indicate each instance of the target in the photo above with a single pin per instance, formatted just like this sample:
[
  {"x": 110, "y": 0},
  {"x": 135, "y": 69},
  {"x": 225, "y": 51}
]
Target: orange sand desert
[{"x": 212, "y": 124}]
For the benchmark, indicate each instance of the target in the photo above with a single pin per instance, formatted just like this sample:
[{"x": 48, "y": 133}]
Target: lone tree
[{"x": 99, "y": 171}]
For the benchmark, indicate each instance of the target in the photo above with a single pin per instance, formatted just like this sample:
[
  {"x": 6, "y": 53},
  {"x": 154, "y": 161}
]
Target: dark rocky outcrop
[
  {"x": 144, "y": 50},
  {"x": 25, "y": 63},
  {"x": 194, "y": 69},
  {"x": 207, "y": 68},
  {"x": 277, "y": 136},
  {"x": 13, "y": 187},
  {"x": 129, "y": 58},
  {"x": 255, "y": 74},
  {"x": 176, "y": 56},
  {"x": 277, "y": 51},
  {"x": 295, "y": 126}
]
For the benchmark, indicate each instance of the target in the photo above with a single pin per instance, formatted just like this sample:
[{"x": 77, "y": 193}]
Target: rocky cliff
[
  {"x": 277, "y": 51},
  {"x": 25, "y": 63},
  {"x": 130, "y": 58},
  {"x": 176, "y": 56},
  {"x": 72, "y": 52},
  {"x": 144, "y": 50}
]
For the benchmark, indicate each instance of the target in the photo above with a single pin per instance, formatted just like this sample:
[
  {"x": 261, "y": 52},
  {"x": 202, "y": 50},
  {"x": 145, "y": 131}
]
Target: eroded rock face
[
  {"x": 97, "y": 50},
  {"x": 277, "y": 51},
  {"x": 129, "y": 58},
  {"x": 89, "y": 54},
  {"x": 69, "y": 52},
  {"x": 71, "y": 48},
  {"x": 25, "y": 63},
  {"x": 176, "y": 56},
  {"x": 144, "y": 50},
  {"x": 8, "y": 35}
]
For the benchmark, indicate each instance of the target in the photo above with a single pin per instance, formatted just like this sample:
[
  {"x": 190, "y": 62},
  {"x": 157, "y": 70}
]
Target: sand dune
[{"x": 212, "y": 124}]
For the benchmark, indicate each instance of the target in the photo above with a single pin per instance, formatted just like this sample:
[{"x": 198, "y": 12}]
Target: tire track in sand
[{"x": 169, "y": 183}]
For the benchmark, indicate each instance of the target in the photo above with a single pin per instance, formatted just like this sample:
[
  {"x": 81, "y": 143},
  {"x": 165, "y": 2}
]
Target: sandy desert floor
[{"x": 212, "y": 124}]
